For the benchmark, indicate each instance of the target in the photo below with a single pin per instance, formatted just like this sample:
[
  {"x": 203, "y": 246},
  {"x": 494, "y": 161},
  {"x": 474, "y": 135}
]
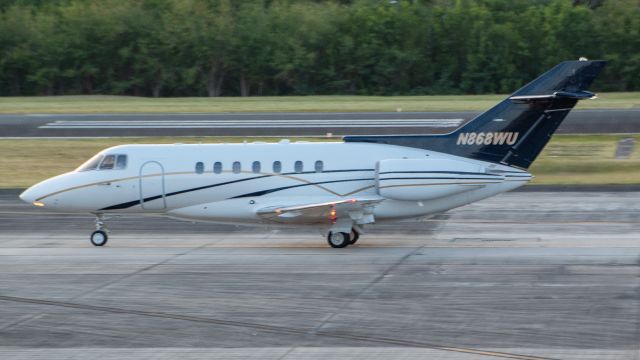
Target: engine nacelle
[{"x": 426, "y": 179}]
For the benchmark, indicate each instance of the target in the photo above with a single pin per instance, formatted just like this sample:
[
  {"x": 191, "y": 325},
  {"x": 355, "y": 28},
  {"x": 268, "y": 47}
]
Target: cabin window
[
  {"x": 217, "y": 167},
  {"x": 319, "y": 166},
  {"x": 199, "y": 167},
  {"x": 121, "y": 162},
  {"x": 298, "y": 167},
  {"x": 277, "y": 167},
  {"x": 236, "y": 167},
  {"x": 255, "y": 167},
  {"x": 108, "y": 162}
]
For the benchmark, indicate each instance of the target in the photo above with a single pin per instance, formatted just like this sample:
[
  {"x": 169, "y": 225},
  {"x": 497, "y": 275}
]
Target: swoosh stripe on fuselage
[
  {"x": 155, "y": 197},
  {"x": 129, "y": 204},
  {"x": 442, "y": 178},
  {"x": 268, "y": 191},
  {"x": 434, "y": 172}
]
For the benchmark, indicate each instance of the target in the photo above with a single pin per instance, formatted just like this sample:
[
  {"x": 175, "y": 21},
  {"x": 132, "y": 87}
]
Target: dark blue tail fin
[{"x": 516, "y": 130}]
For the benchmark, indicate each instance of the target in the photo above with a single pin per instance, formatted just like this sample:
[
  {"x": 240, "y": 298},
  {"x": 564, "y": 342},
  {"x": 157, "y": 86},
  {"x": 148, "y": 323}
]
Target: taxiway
[
  {"x": 610, "y": 121},
  {"x": 520, "y": 276}
]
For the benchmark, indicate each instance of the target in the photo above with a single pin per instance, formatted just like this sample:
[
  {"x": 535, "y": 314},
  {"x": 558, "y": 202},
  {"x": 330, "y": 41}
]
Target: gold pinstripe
[{"x": 308, "y": 182}]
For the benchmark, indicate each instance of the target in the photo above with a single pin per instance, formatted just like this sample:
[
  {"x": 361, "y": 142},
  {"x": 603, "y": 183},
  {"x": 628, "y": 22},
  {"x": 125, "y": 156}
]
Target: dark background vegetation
[{"x": 227, "y": 47}]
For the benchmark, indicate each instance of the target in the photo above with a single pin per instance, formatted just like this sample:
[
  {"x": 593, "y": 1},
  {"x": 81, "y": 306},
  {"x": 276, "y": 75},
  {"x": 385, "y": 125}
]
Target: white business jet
[{"x": 338, "y": 187}]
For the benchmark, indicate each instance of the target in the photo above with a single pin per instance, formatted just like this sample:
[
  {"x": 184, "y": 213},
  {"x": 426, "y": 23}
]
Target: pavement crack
[
  {"x": 271, "y": 328},
  {"x": 102, "y": 286},
  {"x": 137, "y": 272},
  {"x": 369, "y": 286},
  {"x": 286, "y": 353},
  {"x": 22, "y": 320}
]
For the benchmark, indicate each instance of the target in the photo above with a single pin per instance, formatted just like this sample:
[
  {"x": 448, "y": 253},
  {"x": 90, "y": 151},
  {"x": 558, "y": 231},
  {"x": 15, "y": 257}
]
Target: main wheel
[
  {"x": 338, "y": 239},
  {"x": 99, "y": 238},
  {"x": 354, "y": 237}
]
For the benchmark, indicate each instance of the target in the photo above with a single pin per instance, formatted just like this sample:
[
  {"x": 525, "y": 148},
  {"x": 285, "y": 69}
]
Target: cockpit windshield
[
  {"x": 91, "y": 164},
  {"x": 105, "y": 162},
  {"x": 108, "y": 162}
]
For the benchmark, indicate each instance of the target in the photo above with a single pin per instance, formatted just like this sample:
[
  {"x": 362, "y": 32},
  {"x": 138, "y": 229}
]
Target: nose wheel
[{"x": 99, "y": 237}]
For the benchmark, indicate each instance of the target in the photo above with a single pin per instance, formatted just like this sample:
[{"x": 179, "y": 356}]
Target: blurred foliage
[{"x": 296, "y": 47}]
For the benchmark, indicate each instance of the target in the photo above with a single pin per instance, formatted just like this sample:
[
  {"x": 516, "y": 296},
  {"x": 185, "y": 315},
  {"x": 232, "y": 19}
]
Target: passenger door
[{"x": 152, "y": 186}]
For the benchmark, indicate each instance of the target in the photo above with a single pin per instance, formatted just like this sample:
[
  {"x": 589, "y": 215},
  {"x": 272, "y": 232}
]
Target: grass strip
[
  {"x": 128, "y": 104},
  {"x": 568, "y": 159}
]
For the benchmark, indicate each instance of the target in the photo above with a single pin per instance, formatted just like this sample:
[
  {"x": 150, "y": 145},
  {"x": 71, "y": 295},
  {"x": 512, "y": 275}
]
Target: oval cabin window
[
  {"x": 236, "y": 167},
  {"x": 298, "y": 167},
  {"x": 199, "y": 167},
  {"x": 255, "y": 167},
  {"x": 277, "y": 167}
]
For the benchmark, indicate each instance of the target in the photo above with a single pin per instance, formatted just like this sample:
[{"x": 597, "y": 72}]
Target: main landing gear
[
  {"x": 342, "y": 239},
  {"x": 99, "y": 237}
]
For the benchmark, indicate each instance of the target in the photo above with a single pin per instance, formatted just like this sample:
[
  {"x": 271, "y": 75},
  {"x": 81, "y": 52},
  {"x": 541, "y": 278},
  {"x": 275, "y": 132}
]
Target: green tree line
[{"x": 271, "y": 47}]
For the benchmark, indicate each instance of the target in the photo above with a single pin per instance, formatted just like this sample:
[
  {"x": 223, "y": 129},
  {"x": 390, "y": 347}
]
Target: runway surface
[
  {"x": 519, "y": 276},
  {"x": 285, "y": 124}
]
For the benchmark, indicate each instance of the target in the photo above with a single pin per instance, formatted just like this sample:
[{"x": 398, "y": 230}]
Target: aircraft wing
[{"x": 360, "y": 210}]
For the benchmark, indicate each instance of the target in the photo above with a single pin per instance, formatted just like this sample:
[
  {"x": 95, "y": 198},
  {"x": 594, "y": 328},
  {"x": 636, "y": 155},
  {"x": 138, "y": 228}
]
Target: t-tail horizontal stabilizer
[{"x": 516, "y": 130}]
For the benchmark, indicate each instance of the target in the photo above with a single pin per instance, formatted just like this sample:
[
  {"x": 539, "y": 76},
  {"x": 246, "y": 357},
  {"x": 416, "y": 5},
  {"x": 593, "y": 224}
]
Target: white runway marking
[{"x": 239, "y": 124}]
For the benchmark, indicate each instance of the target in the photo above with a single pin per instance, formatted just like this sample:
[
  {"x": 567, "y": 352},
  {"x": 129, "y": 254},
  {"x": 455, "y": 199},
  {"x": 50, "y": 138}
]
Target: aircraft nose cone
[
  {"x": 27, "y": 196},
  {"x": 31, "y": 195}
]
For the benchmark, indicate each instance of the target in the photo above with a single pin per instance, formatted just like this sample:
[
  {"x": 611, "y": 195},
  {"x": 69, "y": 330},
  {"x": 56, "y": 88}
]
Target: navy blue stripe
[
  {"x": 269, "y": 191},
  {"x": 156, "y": 197},
  {"x": 442, "y": 178},
  {"x": 215, "y": 185},
  {"x": 327, "y": 171},
  {"x": 433, "y": 172},
  {"x": 129, "y": 204}
]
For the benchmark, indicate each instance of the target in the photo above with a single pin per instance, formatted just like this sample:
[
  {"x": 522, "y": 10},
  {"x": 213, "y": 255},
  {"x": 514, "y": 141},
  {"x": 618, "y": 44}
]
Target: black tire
[
  {"x": 338, "y": 240},
  {"x": 354, "y": 237},
  {"x": 99, "y": 238}
]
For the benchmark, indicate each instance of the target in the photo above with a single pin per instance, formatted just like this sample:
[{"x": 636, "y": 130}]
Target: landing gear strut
[{"x": 99, "y": 237}]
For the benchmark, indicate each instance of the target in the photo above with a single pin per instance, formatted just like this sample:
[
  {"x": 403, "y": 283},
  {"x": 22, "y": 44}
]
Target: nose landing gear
[{"x": 99, "y": 237}]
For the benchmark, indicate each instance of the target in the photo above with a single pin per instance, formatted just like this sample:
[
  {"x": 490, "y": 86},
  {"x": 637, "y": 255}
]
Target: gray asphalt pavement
[
  {"x": 521, "y": 276},
  {"x": 285, "y": 124}
]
